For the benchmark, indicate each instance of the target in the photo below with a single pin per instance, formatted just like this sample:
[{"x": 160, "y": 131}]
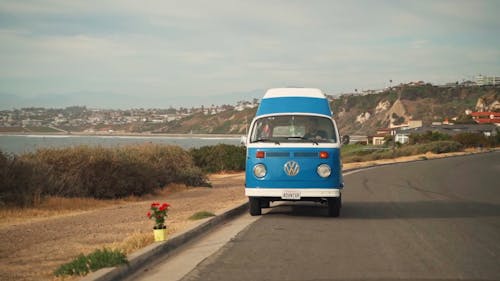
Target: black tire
[
  {"x": 255, "y": 209},
  {"x": 265, "y": 204},
  {"x": 334, "y": 205}
]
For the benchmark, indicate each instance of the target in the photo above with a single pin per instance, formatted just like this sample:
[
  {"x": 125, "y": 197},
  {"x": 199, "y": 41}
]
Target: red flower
[
  {"x": 164, "y": 206},
  {"x": 158, "y": 212}
]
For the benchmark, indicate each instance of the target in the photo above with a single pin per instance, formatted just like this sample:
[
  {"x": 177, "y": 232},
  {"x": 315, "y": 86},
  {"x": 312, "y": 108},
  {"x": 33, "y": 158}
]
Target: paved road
[{"x": 429, "y": 220}]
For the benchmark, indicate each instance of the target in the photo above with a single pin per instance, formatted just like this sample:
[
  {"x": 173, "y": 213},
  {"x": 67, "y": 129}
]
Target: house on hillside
[
  {"x": 379, "y": 138},
  {"x": 393, "y": 130},
  {"x": 358, "y": 139},
  {"x": 486, "y": 117},
  {"x": 31, "y": 123}
]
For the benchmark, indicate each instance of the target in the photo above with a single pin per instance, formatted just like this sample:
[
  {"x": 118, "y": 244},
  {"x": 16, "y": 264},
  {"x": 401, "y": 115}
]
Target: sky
[{"x": 130, "y": 54}]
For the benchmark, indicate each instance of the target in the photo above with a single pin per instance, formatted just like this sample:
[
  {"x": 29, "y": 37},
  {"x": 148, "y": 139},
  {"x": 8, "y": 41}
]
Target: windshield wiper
[
  {"x": 302, "y": 138},
  {"x": 266, "y": 140}
]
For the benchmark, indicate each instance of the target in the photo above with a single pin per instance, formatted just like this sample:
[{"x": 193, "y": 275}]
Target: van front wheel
[
  {"x": 334, "y": 205},
  {"x": 255, "y": 208}
]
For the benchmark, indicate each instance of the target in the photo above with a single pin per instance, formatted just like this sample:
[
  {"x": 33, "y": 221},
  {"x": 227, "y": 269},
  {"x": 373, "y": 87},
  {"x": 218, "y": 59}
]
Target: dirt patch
[{"x": 32, "y": 251}]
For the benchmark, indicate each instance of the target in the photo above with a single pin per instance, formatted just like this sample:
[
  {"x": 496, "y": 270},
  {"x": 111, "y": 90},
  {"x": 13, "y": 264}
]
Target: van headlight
[
  {"x": 259, "y": 170},
  {"x": 324, "y": 170}
]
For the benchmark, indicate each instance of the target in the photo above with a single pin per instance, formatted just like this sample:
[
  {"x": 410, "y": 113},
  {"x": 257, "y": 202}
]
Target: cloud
[{"x": 159, "y": 49}]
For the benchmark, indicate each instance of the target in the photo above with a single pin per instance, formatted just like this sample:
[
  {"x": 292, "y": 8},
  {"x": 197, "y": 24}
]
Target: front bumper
[{"x": 304, "y": 192}]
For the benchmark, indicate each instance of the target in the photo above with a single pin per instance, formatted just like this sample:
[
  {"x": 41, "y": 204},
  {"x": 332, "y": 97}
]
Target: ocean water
[{"x": 19, "y": 144}]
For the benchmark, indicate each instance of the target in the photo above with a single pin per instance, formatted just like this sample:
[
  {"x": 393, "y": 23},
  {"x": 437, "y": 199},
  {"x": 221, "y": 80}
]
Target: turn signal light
[
  {"x": 260, "y": 154},
  {"x": 323, "y": 154}
]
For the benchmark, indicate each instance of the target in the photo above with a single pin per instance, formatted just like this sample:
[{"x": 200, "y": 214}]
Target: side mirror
[
  {"x": 243, "y": 140},
  {"x": 345, "y": 139}
]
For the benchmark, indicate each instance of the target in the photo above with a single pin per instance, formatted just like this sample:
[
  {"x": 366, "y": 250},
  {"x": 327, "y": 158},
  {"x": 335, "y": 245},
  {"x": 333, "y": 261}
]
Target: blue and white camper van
[{"x": 293, "y": 151}]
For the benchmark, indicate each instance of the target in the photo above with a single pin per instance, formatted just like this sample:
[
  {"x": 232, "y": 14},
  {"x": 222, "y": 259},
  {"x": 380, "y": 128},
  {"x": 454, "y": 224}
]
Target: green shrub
[
  {"x": 76, "y": 267},
  {"x": 167, "y": 161},
  {"x": 358, "y": 149},
  {"x": 96, "y": 260},
  {"x": 439, "y": 147},
  {"x": 381, "y": 154},
  {"x": 201, "y": 215},
  {"x": 472, "y": 139},
  {"x": 194, "y": 176},
  {"x": 22, "y": 181},
  {"x": 97, "y": 172},
  {"x": 429, "y": 136},
  {"x": 221, "y": 157},
  {"x": 400, "y": 151},
  {"x": 351, "y": 159}
]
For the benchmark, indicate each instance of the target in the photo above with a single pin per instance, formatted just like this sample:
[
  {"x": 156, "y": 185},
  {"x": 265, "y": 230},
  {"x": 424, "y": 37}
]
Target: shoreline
[{"x": 119, "y": 134}]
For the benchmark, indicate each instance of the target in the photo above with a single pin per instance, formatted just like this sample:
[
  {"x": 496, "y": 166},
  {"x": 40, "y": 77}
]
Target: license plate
[{"x": 290, "y": 195}]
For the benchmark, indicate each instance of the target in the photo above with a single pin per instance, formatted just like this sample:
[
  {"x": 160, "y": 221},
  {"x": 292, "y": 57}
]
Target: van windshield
[{"x": 293, "y": 128}]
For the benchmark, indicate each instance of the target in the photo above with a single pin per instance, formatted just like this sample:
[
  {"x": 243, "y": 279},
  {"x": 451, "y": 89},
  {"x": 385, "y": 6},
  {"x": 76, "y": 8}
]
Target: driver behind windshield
[
  {"x": 265, "y": 130},
  {"x": 313, "y": 131}
]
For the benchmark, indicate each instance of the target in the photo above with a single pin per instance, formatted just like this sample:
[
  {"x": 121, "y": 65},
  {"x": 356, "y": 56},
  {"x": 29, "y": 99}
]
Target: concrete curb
[{"x": 148, "y": 254}]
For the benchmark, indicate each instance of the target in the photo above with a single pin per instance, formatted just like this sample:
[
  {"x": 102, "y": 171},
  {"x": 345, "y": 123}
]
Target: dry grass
[
  {"x": 134, "y": 242},
  {"x": 55, "y": 207},
  {"x": 60, "y": 206},
  {"x": 51, "y": 207}
]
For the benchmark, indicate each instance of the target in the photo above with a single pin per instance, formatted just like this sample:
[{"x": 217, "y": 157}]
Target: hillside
[
  {"x": 356, "y": 114},
  {"x": 364, "y": 114},
  {"x": 227, "y": 122}
]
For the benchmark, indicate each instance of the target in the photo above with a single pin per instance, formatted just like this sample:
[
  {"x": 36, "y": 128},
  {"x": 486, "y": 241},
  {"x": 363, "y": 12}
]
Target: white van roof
[
  {"x": 294, "y": 100},
  {"x": 294, "y": 92}
]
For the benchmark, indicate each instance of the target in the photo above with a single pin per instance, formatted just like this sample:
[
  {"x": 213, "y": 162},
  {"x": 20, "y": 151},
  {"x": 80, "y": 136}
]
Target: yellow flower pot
[{"x": 160, "y": 234}]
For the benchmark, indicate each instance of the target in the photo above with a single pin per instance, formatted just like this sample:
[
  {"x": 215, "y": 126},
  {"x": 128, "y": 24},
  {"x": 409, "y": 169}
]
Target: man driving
[{"x": 313, "y": 131}]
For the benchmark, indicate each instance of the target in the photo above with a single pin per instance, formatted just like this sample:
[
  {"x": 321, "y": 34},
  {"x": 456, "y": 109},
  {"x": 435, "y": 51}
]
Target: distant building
[
  {"x": 358, "y": 139},
  {"x": 403, "y": 137},
  {"x": 416, "y": 83},
  {"x": 379, "y": 138},
  {"x": 468, "y": 83},
  {"x": 31, "y": 123},
  {"x": 482, "y": 80},
  {"x": 410, "y": 124},
  {"x": 486, "y": 117}
]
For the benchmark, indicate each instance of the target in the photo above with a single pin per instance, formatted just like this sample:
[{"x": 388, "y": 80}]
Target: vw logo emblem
[{"x": 292, "y": 168}]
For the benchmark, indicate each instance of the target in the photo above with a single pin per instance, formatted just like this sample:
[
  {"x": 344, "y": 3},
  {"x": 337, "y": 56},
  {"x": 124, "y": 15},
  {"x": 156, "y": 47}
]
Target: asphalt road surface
[{"x": 427, "y": 220}]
